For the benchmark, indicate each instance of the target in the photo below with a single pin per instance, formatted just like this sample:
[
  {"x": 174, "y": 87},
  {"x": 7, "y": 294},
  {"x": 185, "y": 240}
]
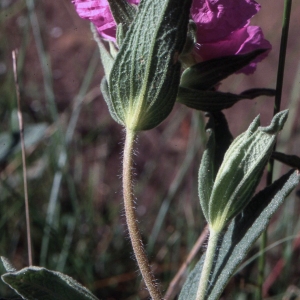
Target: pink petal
[
  {"x": 98, "y": 12},
  {"x": 216, "y": 19},
  {"x": 241, "y": 41}
]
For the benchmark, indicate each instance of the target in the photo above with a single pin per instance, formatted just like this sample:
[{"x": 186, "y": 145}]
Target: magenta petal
[
  {"x": 216, "y": 19},
  {"x": 241, "y": 41},
  {"x": 254, "y": 41},
  {"x": 98, "y": 12}
]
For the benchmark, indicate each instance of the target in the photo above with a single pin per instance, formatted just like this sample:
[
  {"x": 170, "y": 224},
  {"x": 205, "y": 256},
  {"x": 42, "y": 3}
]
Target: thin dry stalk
[
  {"x": 174, "y": 286},
  {"x": 21, "y": 127}
]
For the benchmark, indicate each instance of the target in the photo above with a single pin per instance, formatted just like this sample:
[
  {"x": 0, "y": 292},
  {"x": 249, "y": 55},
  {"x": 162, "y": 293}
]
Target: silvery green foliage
[
  {"x": 39, "y": 283},
  {"x": 144, "y": 79},
  {"x": 224, "y": 197},
  {"x": 241, "y": 234},
  {"x": 8, "y": 266}
]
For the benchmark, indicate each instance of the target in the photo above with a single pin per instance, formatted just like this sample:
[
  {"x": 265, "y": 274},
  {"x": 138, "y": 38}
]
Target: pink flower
[
  {"x": 98, "y": 12},
  {"x": 223, "y": 29}
]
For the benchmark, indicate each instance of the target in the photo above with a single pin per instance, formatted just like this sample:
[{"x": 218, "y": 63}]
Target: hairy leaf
[
  {"x": 39, "y": 283},
  {"x": 8, "y": 265},
  {"x": 218, "y": 143},
  {"x": 215, "y": 101},
  {"x": 241, "y": 234},
  {"x": 145, "y": 77}
]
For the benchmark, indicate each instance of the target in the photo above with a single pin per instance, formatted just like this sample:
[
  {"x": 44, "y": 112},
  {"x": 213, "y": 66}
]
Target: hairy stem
[
  {"x": 208, "y": 262},
  {"x": 131, "y": 221}
]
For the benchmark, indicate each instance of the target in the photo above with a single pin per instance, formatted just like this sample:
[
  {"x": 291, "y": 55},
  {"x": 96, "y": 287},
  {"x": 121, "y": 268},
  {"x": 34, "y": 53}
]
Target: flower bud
[{"x": 241, "y": 171}]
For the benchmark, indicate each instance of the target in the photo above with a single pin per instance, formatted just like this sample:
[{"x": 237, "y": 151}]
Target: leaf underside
[{"x": 144, "y": 79}]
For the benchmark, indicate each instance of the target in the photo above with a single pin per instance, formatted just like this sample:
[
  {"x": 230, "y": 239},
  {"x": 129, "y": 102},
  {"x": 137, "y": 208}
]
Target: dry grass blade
[{"x": 21, "y": 127}]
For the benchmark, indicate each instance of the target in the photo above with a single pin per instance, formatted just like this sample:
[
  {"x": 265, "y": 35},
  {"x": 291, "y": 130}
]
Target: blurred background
[{"x": 74, "y": 152}]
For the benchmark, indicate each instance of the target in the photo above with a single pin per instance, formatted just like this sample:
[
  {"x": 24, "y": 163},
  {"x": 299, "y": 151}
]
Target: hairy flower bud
[{"x": 240, "y": 172}]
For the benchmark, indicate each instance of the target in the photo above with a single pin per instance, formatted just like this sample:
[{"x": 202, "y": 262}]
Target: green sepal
[
  {"x": 39, "y": 283},
  {"x": 218, "y": 143},
  {"x": 106, "y": 58},
  {"x": 106, "y": 97},
  {"x": 207, "y": 74},
  {"x": 123, "y": 13},
  {"x": 290, "y": 160},
  {"x": 241, "y": 170},
  {"x": 241, "y": 234},
  {"x": 145, "y": 77},
  {"x": 113, "y": 50},
  {"x": 207, "y": 174},
  {"x": 187, "y": 57},
  {"x": 216, "y": 101},
  {"x": 120, "y": 34},
  {"x": 217, "y": 121}
]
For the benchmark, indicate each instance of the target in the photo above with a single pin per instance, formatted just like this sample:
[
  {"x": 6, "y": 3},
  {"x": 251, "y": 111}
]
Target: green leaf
[
  {"x": 290, "y": 160},
  {"x": 218, "y": 143},
  {"x": 241, "y": 170},
  {"x": 241, "y": 234},
  {"x": 205, "y": 75},
  {"x": 8, "y": 266},
  {"x": 39, "y": 283},
  {"x": 145, "y": 77},
  {"x": 215, "y": 101}
]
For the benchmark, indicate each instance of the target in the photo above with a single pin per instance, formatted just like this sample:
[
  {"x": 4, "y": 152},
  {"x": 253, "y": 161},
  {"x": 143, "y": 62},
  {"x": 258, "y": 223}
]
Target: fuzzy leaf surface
[
  {"x": 241, "y": 170},
  {"x": 145, "y": 77},
  {"x": 39, "y": 283},
  {"x": 241, "y": 234},
  {"x": 218, "y": 142},
  {"x": 205, "y": 75},
  {"x": 215, "y": 101},
  {"x": 8, "y": 266}
]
